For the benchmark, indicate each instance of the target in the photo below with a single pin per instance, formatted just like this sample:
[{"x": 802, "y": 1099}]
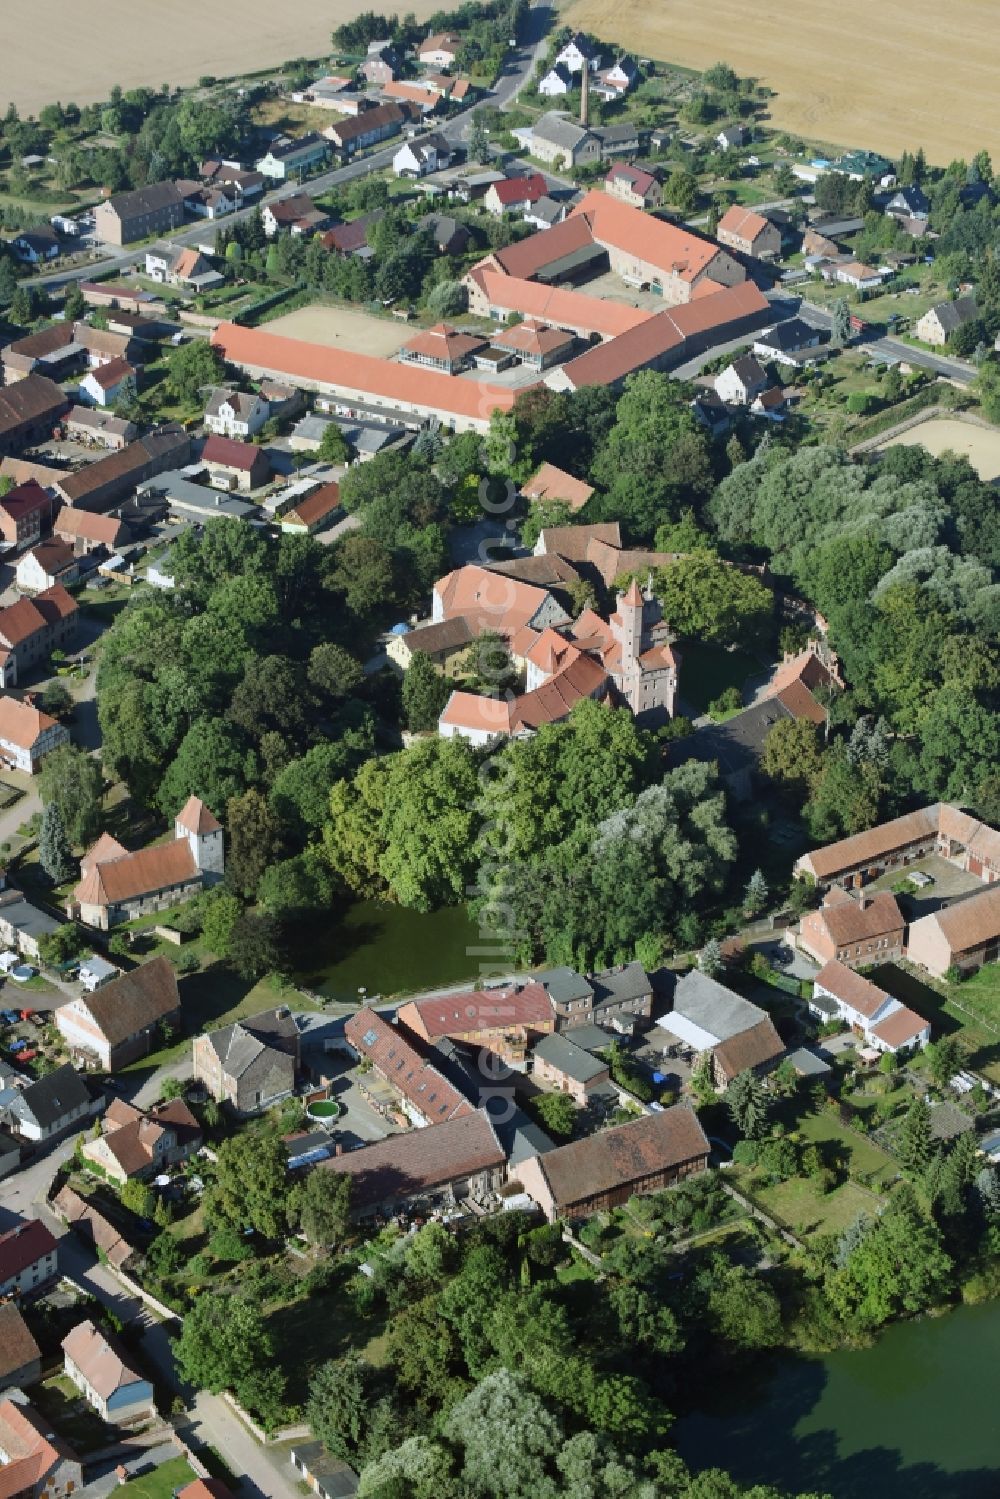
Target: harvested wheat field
[
  {"x": 981, "y": 445},
  {"x": 69, "y": 50},
  {"x": 897, "y": 75},
  {"x": 342, "y": 328}
]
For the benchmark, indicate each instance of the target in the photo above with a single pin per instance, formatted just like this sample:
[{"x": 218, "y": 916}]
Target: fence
[{"x": 283, "y": 1434}]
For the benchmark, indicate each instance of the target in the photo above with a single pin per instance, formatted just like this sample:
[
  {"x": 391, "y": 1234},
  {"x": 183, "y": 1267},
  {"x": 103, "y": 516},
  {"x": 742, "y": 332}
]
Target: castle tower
[
  {"x": 585, "y": 94},
  {"x": 626, "y": 624},
  {"x": 204, "y": 835}
]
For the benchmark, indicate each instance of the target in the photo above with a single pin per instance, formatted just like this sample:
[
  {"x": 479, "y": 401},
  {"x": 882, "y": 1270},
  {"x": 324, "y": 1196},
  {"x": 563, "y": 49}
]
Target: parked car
[
  {"x": 9, "y": 1017},
  {"x": 16, "y": 1046}
]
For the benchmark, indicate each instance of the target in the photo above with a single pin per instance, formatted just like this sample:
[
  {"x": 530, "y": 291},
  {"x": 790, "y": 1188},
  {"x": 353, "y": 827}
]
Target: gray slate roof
[
  {"x": 952, "y": 315},
  {"x": 560, "y": 1052},
  {"x": 559, "y": 130},
  {"x": 564, "y": 984},
  {"x": 239, "y": 1045},
  {"x": 619, "y": 984},
  {"x": 712, "y": 1006},
  {"x": 50, "y": 1099}
]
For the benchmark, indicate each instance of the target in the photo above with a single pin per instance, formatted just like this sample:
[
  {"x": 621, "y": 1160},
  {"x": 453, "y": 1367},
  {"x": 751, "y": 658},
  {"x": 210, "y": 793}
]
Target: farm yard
[
  {"x": 877, "y": 95},
  {"x": 62, "y": 55},
  {"x": 981, "y": 445},
  {"x": 343, "y": 328}
]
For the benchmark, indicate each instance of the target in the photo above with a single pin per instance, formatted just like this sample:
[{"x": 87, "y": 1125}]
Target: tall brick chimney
[{"x": 585, "y": 95}]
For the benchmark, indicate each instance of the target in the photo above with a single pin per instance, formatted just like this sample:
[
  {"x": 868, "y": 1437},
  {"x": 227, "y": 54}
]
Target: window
[{"x": 369, "y": 1038}]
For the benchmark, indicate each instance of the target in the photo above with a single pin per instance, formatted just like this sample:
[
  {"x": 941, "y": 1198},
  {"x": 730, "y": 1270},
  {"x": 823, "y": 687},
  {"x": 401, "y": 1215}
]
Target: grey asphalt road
[{"x": 894, "y": 348}]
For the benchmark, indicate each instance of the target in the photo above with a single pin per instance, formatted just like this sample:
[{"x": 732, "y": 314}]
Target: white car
[{"x": 8, "y": 960}]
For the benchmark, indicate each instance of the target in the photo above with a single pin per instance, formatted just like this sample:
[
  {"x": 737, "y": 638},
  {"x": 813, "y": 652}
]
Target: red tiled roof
[
  {"x": 25, "y": 499},
  {"x": 668, "y": 247},
  {"x": 316, "y": 506},
  {"x": 555, "y": 304},
  {"x": 197, "y": 818},
  {"x": 742, "y": 222},
  {"x": 970, "y": 923},
  {"x": 529, "y": 256},
  {"x": 22, "y": 1245},
  {"x": 479, "y": 1010},
  {"x": 393, "y": 1056},
  {"x": 127, "y": 1005},
  {"x": 552, "y": 483},
  {"x": 520, "y": 190},
  {"x": 419, "y": 1161},
  {"x": 531, "y": 337},
  {"x": 21, "y": 724},
  {"x": 900, "y": 1028},
  {"x": 848, "y": 921},
  {"x": 17, "y": 1346},
  {"x": 141, "y": 873},
  {"x": 489, "y": 600},
  {"x": 443, "y": 342},
  {"x": 851, "y": 987},
  {"x": 628, "y": 1153},
  {"x": 402, "y": 384},
  {"x": 111, "y": 374},
  {"x": 229, "y": 452},
  {"x": 18, "y": 622},
  {"x": 638, "y": 180}
]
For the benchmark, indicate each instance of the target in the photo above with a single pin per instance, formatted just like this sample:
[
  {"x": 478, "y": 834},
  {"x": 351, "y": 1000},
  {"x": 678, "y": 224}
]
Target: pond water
[
  {"x": 913, "y": 1417},
  {"x": 390, "y": 950}
]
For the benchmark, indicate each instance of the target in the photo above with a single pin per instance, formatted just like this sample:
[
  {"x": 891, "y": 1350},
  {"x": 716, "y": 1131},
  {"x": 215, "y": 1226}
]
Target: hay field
[
  {"x": 981, "y": 445},
  {"x": 897, "y": 75},
  {"x": 69, "y": 50},
  {"x": 342, "y": 328}
]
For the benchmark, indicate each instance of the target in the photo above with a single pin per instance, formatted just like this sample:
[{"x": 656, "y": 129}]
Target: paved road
[
  {"x": 520, "y": 65},
  {"x": 894, "y": 348}
]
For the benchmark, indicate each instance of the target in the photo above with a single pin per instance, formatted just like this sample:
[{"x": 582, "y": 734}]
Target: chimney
[{"x": 585, "y": 95}]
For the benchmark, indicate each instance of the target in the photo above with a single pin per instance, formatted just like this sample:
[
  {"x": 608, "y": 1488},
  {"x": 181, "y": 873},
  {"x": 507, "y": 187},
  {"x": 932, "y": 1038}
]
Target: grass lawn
[
  {"x": 58, "y": 1399},
  {"x": 162, "y": 1483},
  {"x": 865, "y": 1156},
  {"x": 577, "y": 1269},
  {"x": 807, "y": 1211},
  {"x": 710, "y": 669}
]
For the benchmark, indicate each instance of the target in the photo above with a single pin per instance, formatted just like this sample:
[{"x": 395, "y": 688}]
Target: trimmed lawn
[
  {"x": 162, "y": 1483},
  {"x": 865, "y": 1156},
  {"x": 970, "y": 1011},
  {"x": 709, "y": 669},
  {"x": 807, "y": 1211}
]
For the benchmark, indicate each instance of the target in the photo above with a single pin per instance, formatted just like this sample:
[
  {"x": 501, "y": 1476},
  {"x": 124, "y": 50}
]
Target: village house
[
  {"x": 909, "y": 203},
  {"x": 945, "y": 318},
  {"x": 37, "y": 246},
  {"x": 503, "y": 1020},
  {"x": 602, "y": 1171},
  {"x": 558, "y": 140},
  {"x": 240, "y": 184},
  {"x": 789, "y": 343},
  {"x": 741, "y": 381},
  {"x": 962, "y": 936},
  {"x": 182, "y": 266},
  {"x": 85, "y": 531},
  {"x": 556, "y": 82},
  {"x": 49, "y": 1105},
  {"x": 579, "y": 52},
  {"x": 561, "y": 1064},
  {"x": 617, "y": 999},
  {"x": 235, "y": 413},
  {"x": 552, "y": 485},
  {"x": 449, "y": 235},
  {"x": 292, "y": 158},
  {"x": 941, "y": 828},
  {"x": 110, "y": 480},
  {"x": 858, "y": 930},
  {"x": 235, "y": 465},
  {"x": 416, "y": 98},
  {"x": 421, "y": 1095},
  {"x": 441, "y": 1167},
  {"x": 442, "y": 348},
  {"x": 136, "y": 1143},
  {"x": 623, "y": 75},
  {"x": 35, "y": 1462},
  {"x": 513, "y": 193},
  {"x": 633, "y": 186},
  {"x": 20, "y": 1355},
  {"x": 97, "y": 427},
  {"x": 101, "y": 1371},
  {"x": 749, "y": 233},
  {"x": 313, "y": 513},
  {"x": 122, "y": 1021},
  {"x": 296, "y": 213},
  {"x": 544, "y": 212},
  {"x": 731, "y": 137},
  {"x": 440, "y": 50},
  {"x": 252, "y": 1063},
  {"x": 882, "y": 1021},
  {"x": 31, "y": 629},
  {"x": 381, "y": 65},
  {"x": 29, "y": 410},
  {"x": 23, "y": 924},
  {"x": 854, "y": 273},
  {"x": 366, "y": 129},
  {"x": 126, "y": 217},
  {"x": 708, "y": 1017},
  {"x": 24, "y": 511},
  {"x": 416, "y": 158},
  {"x": 28, "y": 1258},
  {"x": 52, "y": 351},
  {"x": 117, "y": 886},
  {"x": 108, "y": 384}
]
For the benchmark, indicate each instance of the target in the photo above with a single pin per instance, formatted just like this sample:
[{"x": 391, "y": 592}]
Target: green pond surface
[
  {"x": 389, "y": 950},
  {"x": 913, "y": 1417}
]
